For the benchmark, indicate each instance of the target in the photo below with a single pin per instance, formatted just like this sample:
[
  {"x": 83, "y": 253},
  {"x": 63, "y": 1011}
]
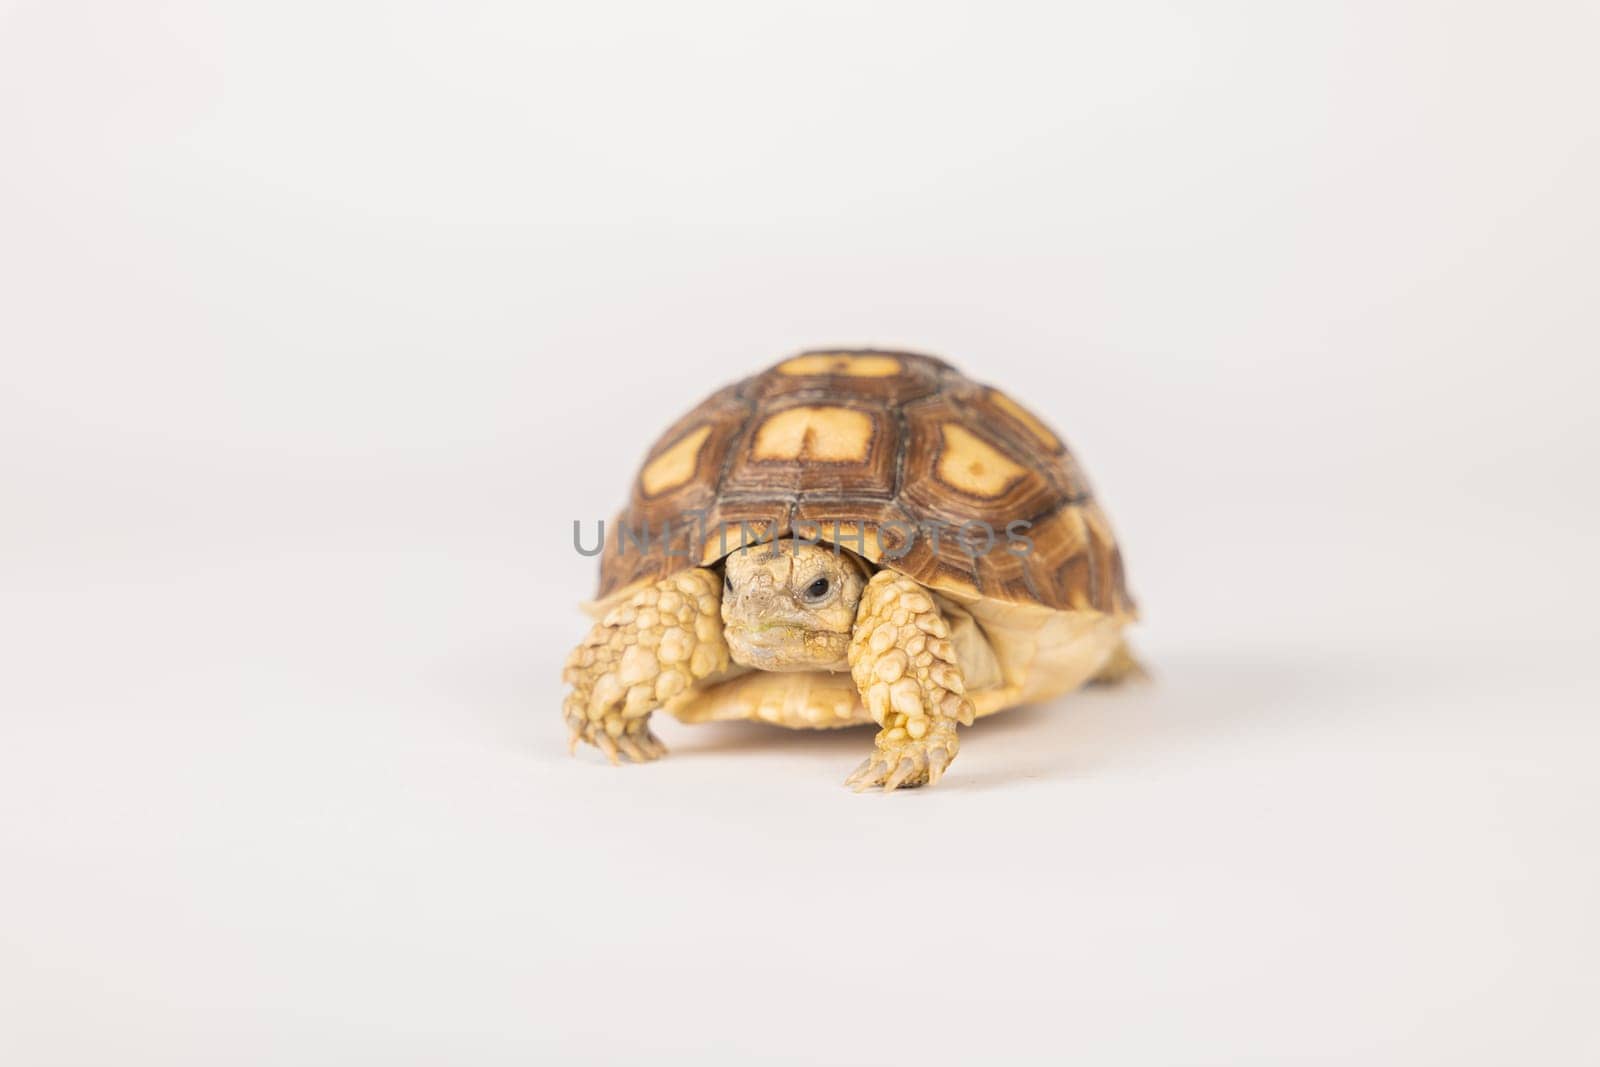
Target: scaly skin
[
  {"x": 665, "y": 639},
  {"x": 906, "y": 671}
]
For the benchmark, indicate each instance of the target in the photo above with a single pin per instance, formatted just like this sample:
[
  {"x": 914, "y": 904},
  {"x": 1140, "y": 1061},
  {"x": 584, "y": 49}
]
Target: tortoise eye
[
  {"x": 727, "y": 581},
  {"x": 817, "y": 589}
]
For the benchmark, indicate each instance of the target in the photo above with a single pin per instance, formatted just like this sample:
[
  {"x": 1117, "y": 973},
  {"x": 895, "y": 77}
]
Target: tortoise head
[{"x": 790, "y": 605}]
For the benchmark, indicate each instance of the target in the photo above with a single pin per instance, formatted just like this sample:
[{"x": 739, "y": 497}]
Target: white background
[{"x": 321, "y": 322}]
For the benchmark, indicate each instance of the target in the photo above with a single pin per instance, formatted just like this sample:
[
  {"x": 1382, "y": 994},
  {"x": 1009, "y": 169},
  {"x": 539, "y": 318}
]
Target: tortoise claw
[
  {"x": 652, "y": 746},
  {"x": 905, "y": 763},
  {"x": 904, "y": 771},
  {"x": 869, "y": 774},
  {"x": 635, "y": 742},
  {"x": 861, "y": 769}
]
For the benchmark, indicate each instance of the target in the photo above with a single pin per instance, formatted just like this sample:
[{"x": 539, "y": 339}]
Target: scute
[{"x": 862, "y": 447}]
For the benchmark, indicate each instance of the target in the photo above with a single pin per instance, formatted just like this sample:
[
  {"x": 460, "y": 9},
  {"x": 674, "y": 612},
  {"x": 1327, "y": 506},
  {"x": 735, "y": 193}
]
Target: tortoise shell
[{"x": 884, "y": 453}]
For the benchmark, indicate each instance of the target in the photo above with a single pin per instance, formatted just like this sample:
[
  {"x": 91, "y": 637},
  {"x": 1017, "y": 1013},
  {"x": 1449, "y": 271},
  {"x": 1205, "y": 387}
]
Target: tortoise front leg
[
  {"x": 665, "y": 639},
  {"x": 906, "y": 671}
]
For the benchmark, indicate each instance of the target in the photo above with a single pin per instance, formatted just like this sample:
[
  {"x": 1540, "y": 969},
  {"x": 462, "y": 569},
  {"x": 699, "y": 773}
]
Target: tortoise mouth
[
  {"x": 785, "y": 647},
  {"x": 766, "y": 643},
  {"x": 766, "y": 633}
]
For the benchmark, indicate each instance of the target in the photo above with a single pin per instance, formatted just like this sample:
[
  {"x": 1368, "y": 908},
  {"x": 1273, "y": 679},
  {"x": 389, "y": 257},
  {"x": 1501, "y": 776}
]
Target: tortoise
[{"x": 850, "y": 537}]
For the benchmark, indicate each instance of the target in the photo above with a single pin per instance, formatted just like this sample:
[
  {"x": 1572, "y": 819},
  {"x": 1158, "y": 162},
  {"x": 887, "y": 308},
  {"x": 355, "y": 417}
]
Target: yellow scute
[
  {"x": 1027, "y": 418},
  {"x": 676, "y": 465},
  {"x": 974, "y": 466},
  {"x": 844, "y": 363},
  {"x": 826, "y": 434}
]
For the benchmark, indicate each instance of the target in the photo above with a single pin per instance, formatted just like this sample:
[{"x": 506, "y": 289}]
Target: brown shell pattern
[{"x": 861, "y": 448}]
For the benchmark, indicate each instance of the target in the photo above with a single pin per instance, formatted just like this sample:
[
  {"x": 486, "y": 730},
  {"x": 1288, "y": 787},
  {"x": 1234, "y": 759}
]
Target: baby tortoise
[{"x": 850, "y": 537}]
